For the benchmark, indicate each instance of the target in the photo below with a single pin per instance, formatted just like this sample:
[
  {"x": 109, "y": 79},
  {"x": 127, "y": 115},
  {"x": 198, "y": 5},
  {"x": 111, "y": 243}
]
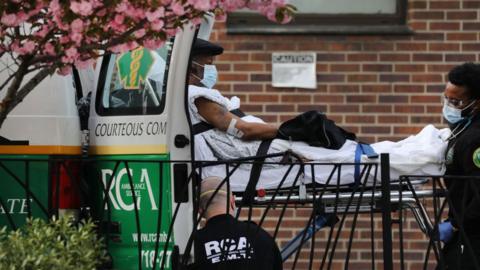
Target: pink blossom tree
[{"x": 42, "y": 36}]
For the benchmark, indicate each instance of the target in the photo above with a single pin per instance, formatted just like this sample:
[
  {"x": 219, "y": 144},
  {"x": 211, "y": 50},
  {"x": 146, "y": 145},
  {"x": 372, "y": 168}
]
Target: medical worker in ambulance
[{"x": 461, "y": 109}]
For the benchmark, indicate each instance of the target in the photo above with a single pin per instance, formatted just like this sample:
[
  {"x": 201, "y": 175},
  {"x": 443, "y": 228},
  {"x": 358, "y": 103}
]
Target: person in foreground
[
  {"x": 226, "y": 243},
  {"x": 461, "y": 107}
]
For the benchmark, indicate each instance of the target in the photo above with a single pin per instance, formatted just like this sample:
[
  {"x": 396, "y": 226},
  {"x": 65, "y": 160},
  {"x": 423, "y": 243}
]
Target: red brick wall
[{"x": 379, "y": 86}]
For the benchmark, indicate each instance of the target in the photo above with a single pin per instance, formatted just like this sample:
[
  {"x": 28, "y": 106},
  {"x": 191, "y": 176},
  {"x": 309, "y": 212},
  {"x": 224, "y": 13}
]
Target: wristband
[{"x": 232, "y": 130}]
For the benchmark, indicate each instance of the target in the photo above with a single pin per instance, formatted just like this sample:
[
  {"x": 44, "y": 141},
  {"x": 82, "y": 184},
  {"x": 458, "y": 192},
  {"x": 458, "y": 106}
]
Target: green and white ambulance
[
  {"x": 138, "y": 126},
  {"x": 36, "y": 139}
]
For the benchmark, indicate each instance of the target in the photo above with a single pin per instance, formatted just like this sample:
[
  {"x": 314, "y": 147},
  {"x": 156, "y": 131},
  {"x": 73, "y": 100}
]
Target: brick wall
[{"x": 381, "y": 87}]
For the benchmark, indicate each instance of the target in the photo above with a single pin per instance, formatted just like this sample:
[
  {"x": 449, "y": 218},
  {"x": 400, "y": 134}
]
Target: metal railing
[{"x": 333, "y": 208}]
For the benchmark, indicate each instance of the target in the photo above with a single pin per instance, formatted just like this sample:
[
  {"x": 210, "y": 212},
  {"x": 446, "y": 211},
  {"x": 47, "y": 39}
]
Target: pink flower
[
  {"x": 197, "y": 20},
  {"x": 71, "y": 55},
  {"x": 132, "y": 45},
  {"x": 49, "y": 49},
  {"x": 152, "y": 16},
  {"x": 54, "y": 6},
  {"x": 64, "y": 39},
  {"x": 65, "y": 70},
  {"x": 59, "y": 22},
  {"x": 138, "y": 13},
  {"x": 42, "y": 32},
  {"x": 200, "y": 4},
  {"x": 157, "y": 25},
  {"x": 122, "y": 7},
  {"x": 21, "y": 17},
  {"x": 76, "y": 37},
  {"x": 77, "y": 26},
  {"x": 139, "y": 33},
  {"x": 29, "y": 46},
  {"x": 26, "y": 48},
  {"x": 15, "y": 47},
  {"x": 102, "y": 12},
  {"x": 278, "y": 3},
  {"x": 119, "y": 19},
  {"x": 178, "y": 8},
  {"x": 9, "y": 19},
  {"x": 71, "y": 52},
  {"x": 172, "y": 31},
  {"x": 153, "y": 44},
  {"x": 83, "y": 8}
]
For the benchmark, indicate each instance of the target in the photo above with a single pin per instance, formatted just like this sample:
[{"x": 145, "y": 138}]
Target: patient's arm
[{"x": 219, "y": 117}]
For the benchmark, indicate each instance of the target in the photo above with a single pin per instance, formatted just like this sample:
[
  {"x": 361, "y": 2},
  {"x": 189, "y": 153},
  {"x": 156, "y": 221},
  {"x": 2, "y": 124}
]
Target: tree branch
[
  {"x": 5, "y": 106},
  {"x": 31, "y": 84},
  {"x": 6, "y": 81},
  {"x": 15, "y": 95}
]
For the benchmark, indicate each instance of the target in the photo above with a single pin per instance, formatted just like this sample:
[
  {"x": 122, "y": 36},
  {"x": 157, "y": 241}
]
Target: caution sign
[
  {"x": 133, "y": 67},
  {"x": 294, "y": 69}
]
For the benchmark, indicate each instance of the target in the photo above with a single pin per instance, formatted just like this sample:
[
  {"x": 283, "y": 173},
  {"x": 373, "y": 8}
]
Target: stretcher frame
[{"x": 385, "y": 197}]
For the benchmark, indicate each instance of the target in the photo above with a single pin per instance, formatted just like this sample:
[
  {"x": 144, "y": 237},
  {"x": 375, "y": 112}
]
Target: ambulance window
[{"x": 133, "y": 83}]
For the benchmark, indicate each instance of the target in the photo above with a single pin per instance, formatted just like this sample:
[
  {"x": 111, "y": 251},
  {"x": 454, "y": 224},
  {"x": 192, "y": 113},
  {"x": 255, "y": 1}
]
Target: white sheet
[{"x": 421, "y": 154}]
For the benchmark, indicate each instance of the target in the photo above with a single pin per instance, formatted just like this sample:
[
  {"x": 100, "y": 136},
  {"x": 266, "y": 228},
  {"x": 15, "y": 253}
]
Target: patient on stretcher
[
  {"x": 224, "y": 133},
  {"x": 422, "y": 153}
]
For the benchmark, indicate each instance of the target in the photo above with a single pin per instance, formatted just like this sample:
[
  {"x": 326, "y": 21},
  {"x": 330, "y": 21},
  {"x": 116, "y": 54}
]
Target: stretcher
[
  {"x": 332, "y": 200},
  {"x": 335, "y": 185},
  {"x": 332, "y": 195},
  {"x": 421, "y": 154}
]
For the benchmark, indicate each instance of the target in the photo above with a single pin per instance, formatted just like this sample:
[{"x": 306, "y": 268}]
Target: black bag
[{"x": 314, "y": 128}]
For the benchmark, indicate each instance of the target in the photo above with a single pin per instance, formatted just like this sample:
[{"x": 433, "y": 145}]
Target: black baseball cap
[{"x": 203, "y": 47}]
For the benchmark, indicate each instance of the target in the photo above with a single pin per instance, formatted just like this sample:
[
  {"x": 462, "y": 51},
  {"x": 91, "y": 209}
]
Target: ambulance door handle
[{"x": 181, "y": 141}]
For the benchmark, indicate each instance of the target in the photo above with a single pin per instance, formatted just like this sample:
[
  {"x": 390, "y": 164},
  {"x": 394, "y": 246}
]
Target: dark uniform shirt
[
  {"x": 463, "y": 158},
  {"x": 226, "y": 243}
]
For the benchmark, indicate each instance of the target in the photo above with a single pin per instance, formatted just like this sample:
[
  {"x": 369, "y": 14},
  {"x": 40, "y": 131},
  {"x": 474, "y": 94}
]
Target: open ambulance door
[
  {"x": 180, "y": 141},
  {"x": 178, "y": 136}
]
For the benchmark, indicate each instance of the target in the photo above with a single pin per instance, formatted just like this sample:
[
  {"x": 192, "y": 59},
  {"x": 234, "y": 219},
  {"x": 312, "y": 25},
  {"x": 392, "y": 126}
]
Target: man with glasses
[{"x": 461, "y": 107}]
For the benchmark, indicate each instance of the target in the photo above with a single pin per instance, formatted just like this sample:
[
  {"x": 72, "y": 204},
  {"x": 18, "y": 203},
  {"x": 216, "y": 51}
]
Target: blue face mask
[
  {"x": 451, "y": 114},
  {"x": 209, "y": 75},
  {"x": 454, "y": 115}
]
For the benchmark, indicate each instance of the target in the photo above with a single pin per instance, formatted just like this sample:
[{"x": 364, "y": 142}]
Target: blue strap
[
  {"x": 362, "y": 149},
  {"x": 296, "y": 243}
]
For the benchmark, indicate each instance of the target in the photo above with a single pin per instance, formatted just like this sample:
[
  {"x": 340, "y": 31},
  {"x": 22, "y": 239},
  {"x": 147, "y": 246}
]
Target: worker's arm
[{"x": 219, "y": 117}]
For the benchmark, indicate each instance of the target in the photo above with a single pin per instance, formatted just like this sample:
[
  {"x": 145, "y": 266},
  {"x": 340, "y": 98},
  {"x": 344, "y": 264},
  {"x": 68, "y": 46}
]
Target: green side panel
[
  {"x": 17, "y": 176},
  {"x": 113, "y": 200}
]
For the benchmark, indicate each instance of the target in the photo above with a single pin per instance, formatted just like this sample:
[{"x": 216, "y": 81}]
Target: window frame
[
  {"x": 103, "y": 111},
  {"x": 310, "y": 23}
]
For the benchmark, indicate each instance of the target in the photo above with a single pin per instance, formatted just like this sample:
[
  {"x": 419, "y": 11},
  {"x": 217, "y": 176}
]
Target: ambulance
[{"x": 127, "y": 164}]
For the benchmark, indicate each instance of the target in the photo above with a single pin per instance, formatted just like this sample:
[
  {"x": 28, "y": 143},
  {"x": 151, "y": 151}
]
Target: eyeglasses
[{"x": 453, "y": 102}]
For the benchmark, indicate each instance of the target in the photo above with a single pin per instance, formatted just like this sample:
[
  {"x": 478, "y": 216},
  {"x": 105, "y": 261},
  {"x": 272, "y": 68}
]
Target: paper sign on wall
[{"x": 294, "y": 69}]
